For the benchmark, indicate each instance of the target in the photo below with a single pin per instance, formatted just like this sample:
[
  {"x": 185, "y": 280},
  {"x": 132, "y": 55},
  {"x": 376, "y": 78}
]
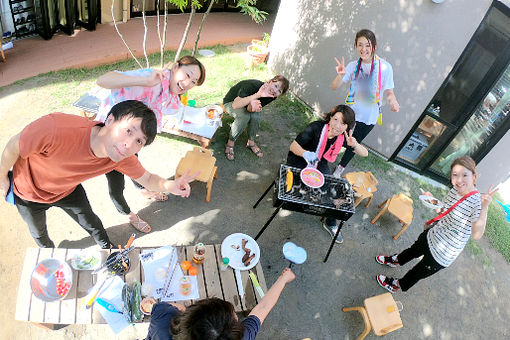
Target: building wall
[
  {"x": 422, "y": 40},
  {"x": 494, "y": 168}
]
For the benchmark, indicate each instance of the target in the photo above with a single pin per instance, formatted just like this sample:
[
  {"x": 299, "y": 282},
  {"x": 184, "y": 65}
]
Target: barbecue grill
[{"x": 334, "y": 199}]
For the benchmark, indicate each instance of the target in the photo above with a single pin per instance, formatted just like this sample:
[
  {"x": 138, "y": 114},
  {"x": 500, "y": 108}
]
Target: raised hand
[
  {"x": 287, "y": 275},
  {"x": 181, "y": 184},
  {"x": 264, "y": 91},
  {"x": 340, "y": 67},
  {"x": 351, "y": 141},
  {"x": 487, "y": 197},
  {"x": 156, "y": 77}
]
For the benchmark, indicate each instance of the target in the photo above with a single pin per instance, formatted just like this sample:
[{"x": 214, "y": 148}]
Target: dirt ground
[{"x": 466, "y": 301}]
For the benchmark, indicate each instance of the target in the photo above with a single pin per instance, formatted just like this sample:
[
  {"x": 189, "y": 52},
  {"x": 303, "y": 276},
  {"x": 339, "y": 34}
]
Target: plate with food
[
  {"x": 312, "y": 177},
  {"x": 87, "y": 259},
  {"x": 431, "y": 202},
  {"x": 147, "y": 304},
  {"x": 242, "y": 251},
  {"x": 213, "y": 111}
]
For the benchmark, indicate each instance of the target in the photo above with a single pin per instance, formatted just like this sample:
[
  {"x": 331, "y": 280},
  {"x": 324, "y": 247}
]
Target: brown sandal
[
  {"x": 229, "y": 152},
  {"x": 255, "y": 149},
  {"x": 140, "y": 225}
]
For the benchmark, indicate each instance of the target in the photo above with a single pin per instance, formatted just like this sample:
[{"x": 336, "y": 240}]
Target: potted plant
[{"x": 258, "y": 50}]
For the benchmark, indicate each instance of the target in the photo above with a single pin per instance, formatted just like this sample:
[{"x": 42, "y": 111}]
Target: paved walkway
[{"x": 34, "y": 56}]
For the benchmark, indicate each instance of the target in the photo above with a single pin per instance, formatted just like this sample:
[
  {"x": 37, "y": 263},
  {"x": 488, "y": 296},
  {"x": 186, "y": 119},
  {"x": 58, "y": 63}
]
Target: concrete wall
[{"x": 422, "y": 40}]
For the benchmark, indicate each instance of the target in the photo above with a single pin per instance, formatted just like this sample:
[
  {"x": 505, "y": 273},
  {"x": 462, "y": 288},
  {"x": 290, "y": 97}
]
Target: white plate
[
  {"x": 426, "y": 200},
  {"x": 235, "y": 256},
  {"x": 87, "y": 259}
]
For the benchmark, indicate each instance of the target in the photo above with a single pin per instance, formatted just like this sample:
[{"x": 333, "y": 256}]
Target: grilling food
[
  {"x": 247, "y": 257},
  {"x": 289, "y": 180}
]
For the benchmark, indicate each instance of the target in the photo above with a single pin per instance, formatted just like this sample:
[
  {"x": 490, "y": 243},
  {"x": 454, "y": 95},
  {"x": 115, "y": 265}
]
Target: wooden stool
[
  {"x": 364, "y": 185},
  {"x": 199, "y": 159},
  {"x": 399, "y": 206},
  {"x": 380, "y": 314}
]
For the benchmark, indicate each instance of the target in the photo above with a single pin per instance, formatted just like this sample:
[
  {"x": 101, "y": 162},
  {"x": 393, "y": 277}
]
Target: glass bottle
[{"x": 199, "y": 255}]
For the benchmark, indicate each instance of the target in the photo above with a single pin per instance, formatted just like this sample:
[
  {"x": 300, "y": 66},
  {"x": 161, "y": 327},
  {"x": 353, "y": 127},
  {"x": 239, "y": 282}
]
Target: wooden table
[{"x": 211, "y": 283}]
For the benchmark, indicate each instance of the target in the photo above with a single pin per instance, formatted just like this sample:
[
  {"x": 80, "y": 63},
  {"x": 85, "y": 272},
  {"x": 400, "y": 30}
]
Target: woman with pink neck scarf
[
  {"x": 320, "y": 143},
  {"x": 160, "y": 90}
]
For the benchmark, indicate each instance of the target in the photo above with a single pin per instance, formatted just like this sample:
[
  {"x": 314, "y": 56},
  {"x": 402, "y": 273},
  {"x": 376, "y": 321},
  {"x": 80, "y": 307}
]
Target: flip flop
[
  {"x": 140, "y": 225},
  {"x": 255, "y": 149},
  {"x": 229, "y": 152}
]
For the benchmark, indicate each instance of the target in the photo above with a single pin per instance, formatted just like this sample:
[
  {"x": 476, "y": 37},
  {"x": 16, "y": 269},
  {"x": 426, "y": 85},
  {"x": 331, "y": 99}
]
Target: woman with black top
[{"x": 320, "y": 143}]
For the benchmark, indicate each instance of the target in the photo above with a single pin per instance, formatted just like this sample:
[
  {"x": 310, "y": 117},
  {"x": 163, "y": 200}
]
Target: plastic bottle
[
  {"x": 224, "y": 264},
  {"x": 185, "y": 285},
  {"x": 199, "y": 254}
]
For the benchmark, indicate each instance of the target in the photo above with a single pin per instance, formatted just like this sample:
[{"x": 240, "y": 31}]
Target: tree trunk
[
  {"x": 185, "y": 35},
  {"x": 162, "y": 50},
  {"x": 121, "y": 37},
  {"x": 200, "y": 28},
  {"x": 145, "y": 35}
]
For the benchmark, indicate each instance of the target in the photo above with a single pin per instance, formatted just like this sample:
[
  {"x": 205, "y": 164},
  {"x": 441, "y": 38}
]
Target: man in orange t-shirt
[{"x": 53, "y": 155}]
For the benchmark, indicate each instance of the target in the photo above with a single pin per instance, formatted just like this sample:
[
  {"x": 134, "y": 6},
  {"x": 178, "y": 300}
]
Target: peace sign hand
[
  {"x": 340, "y": 67},
  {"x": 487, "y": 197},
  {"x": 181, "y": 184},
  {"x": 351, "y": 141},
  {"x": 156, "y": 77}
]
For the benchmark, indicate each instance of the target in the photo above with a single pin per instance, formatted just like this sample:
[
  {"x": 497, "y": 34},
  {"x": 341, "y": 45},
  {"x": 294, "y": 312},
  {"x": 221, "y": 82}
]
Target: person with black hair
[
  {"x": 244, "y": 101},
  {"x": 53, "y": 155},
  {"x": 160, "y": 90},
  {"x": 369, "y": 78},
  {"x": 213, "y": 318},
  {"x": 319, "y": 145}
]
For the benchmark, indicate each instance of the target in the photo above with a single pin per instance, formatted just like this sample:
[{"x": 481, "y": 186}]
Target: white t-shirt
[
  {"x": 366, "y": 110},
  {"x": 449, "y": 237}
]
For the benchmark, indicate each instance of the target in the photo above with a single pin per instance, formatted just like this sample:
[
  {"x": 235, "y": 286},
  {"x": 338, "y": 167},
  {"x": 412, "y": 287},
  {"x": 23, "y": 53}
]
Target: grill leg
[
  {"x": 264, "y": 194},
  {"x": 269, "y": 221},
  {"x": 333, "y": 241}
]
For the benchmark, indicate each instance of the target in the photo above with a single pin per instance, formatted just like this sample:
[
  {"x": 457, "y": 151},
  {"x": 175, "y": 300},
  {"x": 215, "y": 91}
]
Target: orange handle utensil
[{"x": 130, "y": 241}]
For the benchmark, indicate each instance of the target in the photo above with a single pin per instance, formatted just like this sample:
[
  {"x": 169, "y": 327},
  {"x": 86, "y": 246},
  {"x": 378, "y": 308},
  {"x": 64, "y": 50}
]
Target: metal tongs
[{"x": 113, "y": 259}]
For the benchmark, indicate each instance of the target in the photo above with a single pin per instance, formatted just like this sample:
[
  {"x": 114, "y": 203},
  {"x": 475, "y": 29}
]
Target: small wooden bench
[{"x": 211, "y": 283}]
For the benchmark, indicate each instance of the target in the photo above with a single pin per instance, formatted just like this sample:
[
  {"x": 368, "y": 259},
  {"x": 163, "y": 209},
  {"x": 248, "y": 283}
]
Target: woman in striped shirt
[{"x": 441, "y": 244}]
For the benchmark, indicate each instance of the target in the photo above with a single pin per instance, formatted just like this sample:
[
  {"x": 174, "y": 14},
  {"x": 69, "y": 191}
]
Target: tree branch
[
  {"x": 121, "y": 37},
  {"x": 200, "y": 28}
]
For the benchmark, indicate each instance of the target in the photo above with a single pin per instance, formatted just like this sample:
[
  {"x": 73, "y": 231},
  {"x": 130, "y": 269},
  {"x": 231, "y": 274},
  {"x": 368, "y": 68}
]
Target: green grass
[
  {"x": 228, "y": 67},
  {"x": 497, "y": 229}
]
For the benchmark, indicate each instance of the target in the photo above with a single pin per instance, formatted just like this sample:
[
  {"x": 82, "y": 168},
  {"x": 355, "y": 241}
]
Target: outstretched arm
[
  {"x": 273, "y": 294},
  {"x": 116, "y": 80},
  {"x": 179, "y": 187},
  {"x": 9, "y": 157}
]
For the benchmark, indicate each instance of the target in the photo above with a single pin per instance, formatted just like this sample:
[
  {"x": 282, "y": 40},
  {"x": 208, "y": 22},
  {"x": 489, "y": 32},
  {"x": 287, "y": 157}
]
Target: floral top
[{"x": 158, "y": 98}]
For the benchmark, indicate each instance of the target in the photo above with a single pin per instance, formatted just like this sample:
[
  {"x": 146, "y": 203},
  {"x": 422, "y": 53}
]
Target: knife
[
  {"x": 108, "y": 306},
  {"x": 256, "y": 284}
]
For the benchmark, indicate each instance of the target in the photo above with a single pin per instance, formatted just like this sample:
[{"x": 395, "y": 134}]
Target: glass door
[
  {"x": 467, "y": 115},
  {"x": 491, "y": 115}
]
